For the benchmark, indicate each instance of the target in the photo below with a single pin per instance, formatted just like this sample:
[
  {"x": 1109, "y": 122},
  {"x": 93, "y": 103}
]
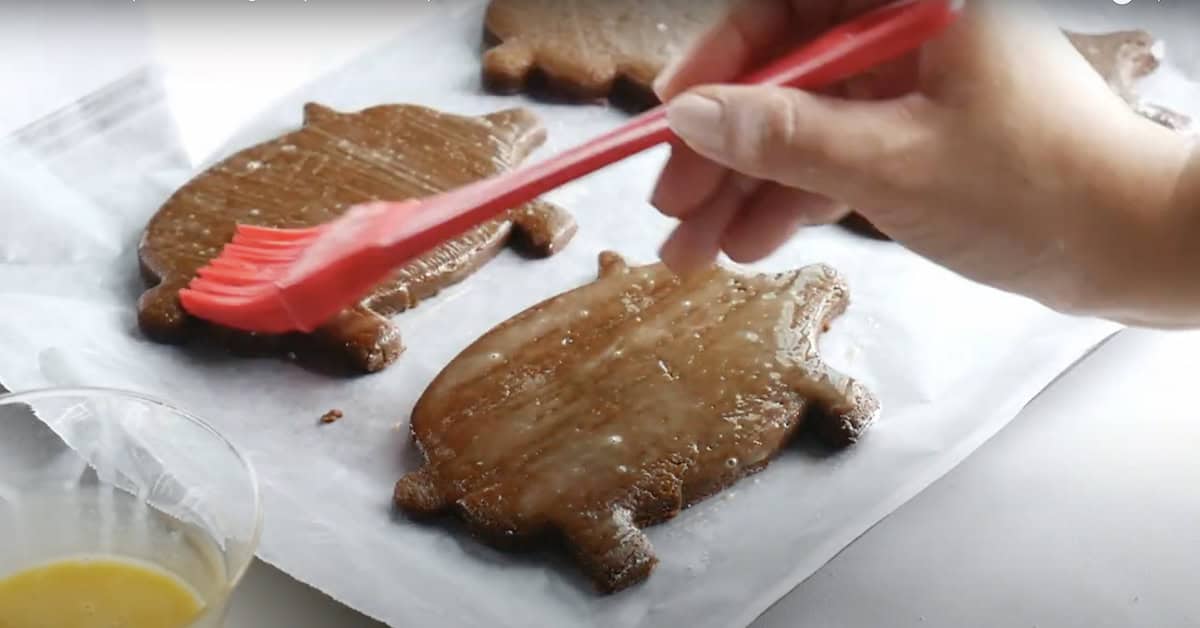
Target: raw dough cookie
[
  {"x": 611, "y": 407},
  {"x": 311, "y": 176}
]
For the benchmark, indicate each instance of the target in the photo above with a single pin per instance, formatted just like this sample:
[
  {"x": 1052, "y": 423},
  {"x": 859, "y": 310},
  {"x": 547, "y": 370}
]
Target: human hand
[{"x": 996, "y": 151}]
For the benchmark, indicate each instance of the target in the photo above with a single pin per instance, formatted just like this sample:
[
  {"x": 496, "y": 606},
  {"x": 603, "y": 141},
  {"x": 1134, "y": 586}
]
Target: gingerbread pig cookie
[
  {"x": 310, "y": 176},
  {"x": 612, "y": 407},
  {"x": 589, "y": 50},
  {"x": 1121, "y": 57}
]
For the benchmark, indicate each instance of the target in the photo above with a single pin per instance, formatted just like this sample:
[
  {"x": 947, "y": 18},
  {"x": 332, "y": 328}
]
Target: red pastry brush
[{"x": 281, "y": 280}]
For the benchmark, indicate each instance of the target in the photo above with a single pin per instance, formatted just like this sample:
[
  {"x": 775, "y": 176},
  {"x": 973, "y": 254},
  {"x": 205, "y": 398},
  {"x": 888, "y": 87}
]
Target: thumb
[{"x": 854, "y": 151}]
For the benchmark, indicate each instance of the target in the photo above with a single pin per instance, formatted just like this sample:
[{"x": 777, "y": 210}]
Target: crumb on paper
[{"x": 333, "y": 416}]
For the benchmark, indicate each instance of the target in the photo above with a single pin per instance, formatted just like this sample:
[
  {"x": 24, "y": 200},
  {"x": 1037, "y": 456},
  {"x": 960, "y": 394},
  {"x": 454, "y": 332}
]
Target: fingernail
[{"x": 697, "y": 120}]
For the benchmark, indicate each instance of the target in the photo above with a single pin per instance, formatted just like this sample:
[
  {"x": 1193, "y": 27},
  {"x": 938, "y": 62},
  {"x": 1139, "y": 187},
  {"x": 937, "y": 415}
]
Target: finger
[
  {"x": 686, "y": 182},
  {"x": 884, "y": 82},
  {"x": 771, "y": 217},
  {"x": 856, "y": 152},
  {"x": 696, "y": 242},
  {"x": 727, "y": 50}
]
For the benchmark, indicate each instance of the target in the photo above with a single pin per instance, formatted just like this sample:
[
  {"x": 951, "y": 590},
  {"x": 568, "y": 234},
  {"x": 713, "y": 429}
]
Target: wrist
[{"x": 1142, "y": 229}]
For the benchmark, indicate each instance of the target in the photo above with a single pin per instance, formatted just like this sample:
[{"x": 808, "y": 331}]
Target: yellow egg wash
[{"x": 99, "y": 592}]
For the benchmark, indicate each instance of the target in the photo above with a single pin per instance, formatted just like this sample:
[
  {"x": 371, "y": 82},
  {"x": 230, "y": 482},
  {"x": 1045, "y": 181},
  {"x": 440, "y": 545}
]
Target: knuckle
[{"x": 768, "y": 135}]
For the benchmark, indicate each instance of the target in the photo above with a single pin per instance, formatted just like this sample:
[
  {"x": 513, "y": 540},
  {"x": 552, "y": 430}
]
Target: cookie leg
[
  {"x": 640, "y": 75},
  {"x": 367, "y": 341},
  {"x": 857, "y": 223},
  {"x": 840, "y": 408},
  {"x": 161, "y": 317},
  {"x": 611, "y": 548},
  {"x": 489, "y": 517},
  {"x": 579, "y": 77},
  {"x": 506, "y": 67},
  {"x": 543, "y": 229},
  {"x": 658, "y": 495}
]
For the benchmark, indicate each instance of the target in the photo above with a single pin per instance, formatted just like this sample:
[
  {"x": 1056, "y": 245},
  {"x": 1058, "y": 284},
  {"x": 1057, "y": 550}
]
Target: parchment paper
[{"x": 951, "y": 361}]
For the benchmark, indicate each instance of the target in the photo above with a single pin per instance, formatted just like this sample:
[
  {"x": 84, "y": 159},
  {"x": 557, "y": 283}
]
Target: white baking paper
[{"x": 951, "y": 361}]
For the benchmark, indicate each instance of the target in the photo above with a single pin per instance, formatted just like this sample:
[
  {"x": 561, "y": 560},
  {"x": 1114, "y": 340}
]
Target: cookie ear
[
  {"x": 611, "y": 262},
  {"x": 517, "y": 118},
  {"x": 315, "y": 112},
  {"x": 518, "y": 127}
]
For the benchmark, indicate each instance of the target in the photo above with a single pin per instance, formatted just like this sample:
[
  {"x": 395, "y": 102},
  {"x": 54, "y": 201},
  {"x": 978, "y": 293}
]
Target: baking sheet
[{"x": 951, "y": 361}]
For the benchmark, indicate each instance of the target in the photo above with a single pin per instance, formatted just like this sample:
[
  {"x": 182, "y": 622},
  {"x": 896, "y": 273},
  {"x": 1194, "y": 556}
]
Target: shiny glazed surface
[
  {"x": 313, "y": 175},
  {"x": 615, "y": 405}
]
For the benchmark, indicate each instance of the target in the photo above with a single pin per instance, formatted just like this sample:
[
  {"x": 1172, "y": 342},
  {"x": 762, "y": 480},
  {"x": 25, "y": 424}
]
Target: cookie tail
[
  {"x": 417, "y": 494},
  {"x": 316, "y": 112}
]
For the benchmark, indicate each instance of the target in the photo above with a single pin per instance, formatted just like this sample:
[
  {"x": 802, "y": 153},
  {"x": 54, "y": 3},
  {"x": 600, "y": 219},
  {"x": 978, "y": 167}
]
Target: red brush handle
[{"x": 850, "y": 49}]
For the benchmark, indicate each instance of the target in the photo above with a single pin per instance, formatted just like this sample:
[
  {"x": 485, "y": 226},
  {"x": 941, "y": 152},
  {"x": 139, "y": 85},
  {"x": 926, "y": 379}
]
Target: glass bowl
[{"x": 90, "y": 472}]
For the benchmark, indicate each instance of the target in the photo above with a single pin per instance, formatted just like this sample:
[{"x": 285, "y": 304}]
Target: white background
[{"x": 1083, "y": 512}]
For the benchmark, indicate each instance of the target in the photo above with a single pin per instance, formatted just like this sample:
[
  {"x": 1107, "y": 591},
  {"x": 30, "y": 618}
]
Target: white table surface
[{"x": 1083, "y": 513}]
